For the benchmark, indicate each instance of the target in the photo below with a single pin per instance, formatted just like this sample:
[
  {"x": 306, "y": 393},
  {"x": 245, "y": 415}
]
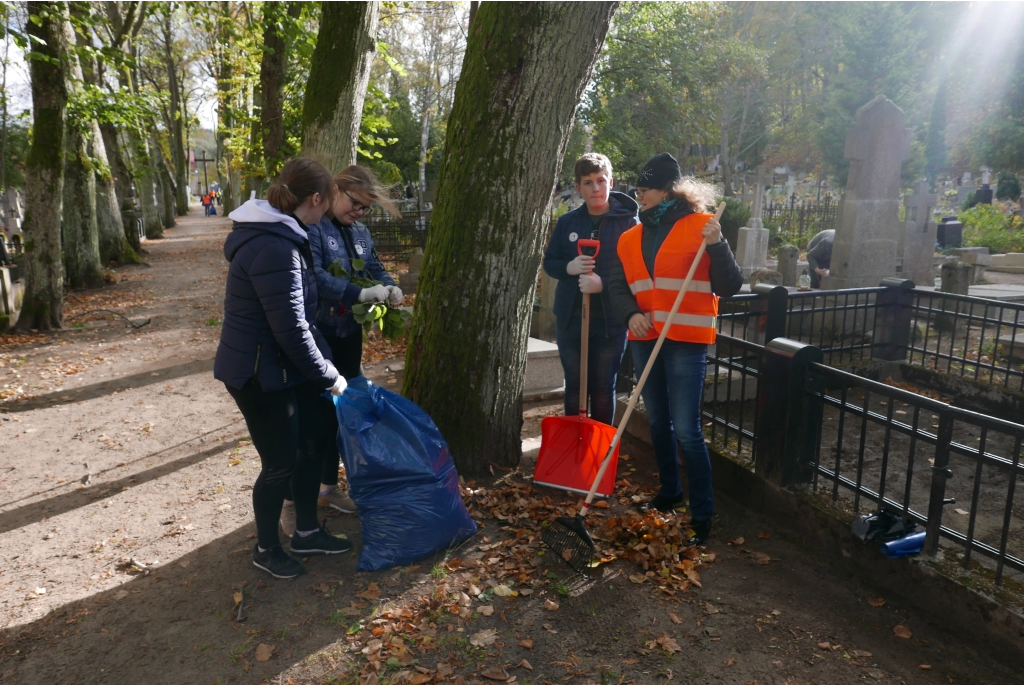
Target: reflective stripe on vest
[{"x": 696, "y": 318}]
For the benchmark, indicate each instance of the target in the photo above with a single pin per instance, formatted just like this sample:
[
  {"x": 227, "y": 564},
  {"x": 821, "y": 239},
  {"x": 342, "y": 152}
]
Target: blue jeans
[
  {"x": 605, "y": 356},
  {"x": 672, "y": 397}
]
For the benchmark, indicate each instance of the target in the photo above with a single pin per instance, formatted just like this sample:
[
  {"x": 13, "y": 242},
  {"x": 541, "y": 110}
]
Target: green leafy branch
[{"x": 390, "y": 320}]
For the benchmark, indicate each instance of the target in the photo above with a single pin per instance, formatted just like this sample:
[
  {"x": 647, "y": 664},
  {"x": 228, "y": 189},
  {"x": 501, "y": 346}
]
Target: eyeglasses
[{"x": 356, "y": 205}]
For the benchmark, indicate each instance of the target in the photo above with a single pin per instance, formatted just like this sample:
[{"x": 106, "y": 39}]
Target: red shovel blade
[{"x": 571, "y": 452}]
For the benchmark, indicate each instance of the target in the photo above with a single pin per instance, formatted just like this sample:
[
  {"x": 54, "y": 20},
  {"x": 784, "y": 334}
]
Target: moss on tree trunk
[
  {"x": 336, "y": 89},
  {"x": 272, "y": 80},
  {"x": 43, "y": 306},
  {"x": 525, "y": 69},
  {"x": 80, "y": 230}
]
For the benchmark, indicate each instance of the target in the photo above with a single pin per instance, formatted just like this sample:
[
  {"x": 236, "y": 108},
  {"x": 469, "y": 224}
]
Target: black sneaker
[
  {"x": 276, "y": 562},
  {"x": 664, "y": 503},
  {"x": 701, "y": 531},
  {"x": 320, "y": 542}
]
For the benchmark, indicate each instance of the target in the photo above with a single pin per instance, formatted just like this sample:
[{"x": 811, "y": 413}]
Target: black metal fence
[
  {"x": 802, "y": 219},
  {"x": 774, "y": 399},
  {"x": 394, "y": 237}
]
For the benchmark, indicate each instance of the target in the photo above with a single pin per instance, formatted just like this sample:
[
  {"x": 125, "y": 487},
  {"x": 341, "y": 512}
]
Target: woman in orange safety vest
[{"x": 654, "y": 258}]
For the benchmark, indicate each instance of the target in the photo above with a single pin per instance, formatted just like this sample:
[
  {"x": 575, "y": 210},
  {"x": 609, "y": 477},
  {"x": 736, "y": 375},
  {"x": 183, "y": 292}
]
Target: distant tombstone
[
  {"x": 752, "y": 240},
  {"x": 965, "y": 188},
  {"x": 984, "y": 194},
  {"x": 12, "y": 221},
  {"x": 917, "y": 236},
  {"x": 408, "y": 280},
  {"x": 950, "y": 233},
  {"x": 956, "y": 278},
  {"x": 791, "y": 186},
  {"x": 789, "y": 255},
  {"x": 868, "y": 232},
  {"x": 769, "y": 276}
]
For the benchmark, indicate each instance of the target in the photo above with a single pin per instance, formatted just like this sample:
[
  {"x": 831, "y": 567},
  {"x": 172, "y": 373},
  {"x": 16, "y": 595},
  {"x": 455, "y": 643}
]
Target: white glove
[
  {"x": 591, "y": 283},
  {"x": 377, "y": 293},
  {"x": 395, "y": 295},
  {"x": 583, "y": 264},
  {"x": 339, "y": 386}
]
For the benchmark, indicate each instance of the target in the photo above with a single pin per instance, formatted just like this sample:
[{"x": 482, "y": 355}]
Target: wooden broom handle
[{"x": 647, "y": 369}]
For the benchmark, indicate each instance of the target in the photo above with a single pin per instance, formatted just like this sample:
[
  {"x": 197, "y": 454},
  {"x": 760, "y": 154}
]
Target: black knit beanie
[{"x": 660, "y": 172}]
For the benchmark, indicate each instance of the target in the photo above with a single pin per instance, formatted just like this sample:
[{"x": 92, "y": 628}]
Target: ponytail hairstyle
[
  {"x": 299, "y": 179},
  {"x": 363, "y": 180},
  {"x": 698, "y": 194}
]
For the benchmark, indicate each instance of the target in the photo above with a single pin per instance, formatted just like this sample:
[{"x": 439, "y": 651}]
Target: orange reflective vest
[{"x": 696, "y": 318}]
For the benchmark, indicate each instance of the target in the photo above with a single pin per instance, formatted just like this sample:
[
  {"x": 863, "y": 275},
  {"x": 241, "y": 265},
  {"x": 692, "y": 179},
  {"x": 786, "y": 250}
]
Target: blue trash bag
[{"x": 400, "y": 475}]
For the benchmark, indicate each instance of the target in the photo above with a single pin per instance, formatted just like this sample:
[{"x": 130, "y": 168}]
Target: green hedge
[{"x": 986, "y": 226}]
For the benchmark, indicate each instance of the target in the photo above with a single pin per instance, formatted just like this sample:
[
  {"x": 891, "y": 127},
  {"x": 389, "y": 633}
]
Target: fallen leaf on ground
[
  {"x": 372, "y": 591},
  {"x": 637, "y": 578},
  {"x": 825, "y": 646},
  {"x": 495, "y": 673},
  {"x": 550, "y": 605},
  {"x": 669, "y": 644},
  {"x": 737, "y": 542},
  {"x": 263, "y": 652},
  {"x": 485, "y": 610},
  {"x": 876, "y": 602},
  {"x": 238, "y": 598},
  {"x": 961, "y": 512},
  {"x": 711, "y": 608},
  {"x": 731, "y": 662},
  {"x": 902, "y": 631},
  {"x": 502, "y": 591},
  {"x": 860, "y": 653},
  {"x": 763, "y": 536},
  {"x": 675, "y": 618},
  {"x": 525, "y": 664},
  {"x": 526, "y": 643},
  {"x": 924, "y": 667},
  {"x": 485, "y": 638}
]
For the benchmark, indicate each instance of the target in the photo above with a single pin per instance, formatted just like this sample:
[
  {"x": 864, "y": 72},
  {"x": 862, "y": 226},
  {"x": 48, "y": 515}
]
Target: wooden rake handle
[{"x": 647, "y": 369}]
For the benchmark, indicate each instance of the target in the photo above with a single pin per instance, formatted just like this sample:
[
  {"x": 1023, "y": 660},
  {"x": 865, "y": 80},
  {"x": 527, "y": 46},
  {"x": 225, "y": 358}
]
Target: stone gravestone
[
  {"x": 752, "y": 241},
  {"x": 965, "y": 188},
  {"x": 788, "y": 257},
  {"x": 984, "y": 194},
  {"x": 917, "y": 236},
  {"x": 868, "y": 230},
  {"x": 407, "y": 281}
]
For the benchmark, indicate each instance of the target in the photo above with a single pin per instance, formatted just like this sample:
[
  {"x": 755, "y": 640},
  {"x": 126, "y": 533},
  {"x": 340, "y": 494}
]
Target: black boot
[{"x": 701, "y": 531}]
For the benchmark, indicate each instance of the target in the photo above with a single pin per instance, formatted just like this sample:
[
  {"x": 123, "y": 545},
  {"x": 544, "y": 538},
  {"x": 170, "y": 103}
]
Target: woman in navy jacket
[
  {"x": 605, "y": 215},
  {"x": 274, "y": 362},
  {"x": 340, "y": 237}
]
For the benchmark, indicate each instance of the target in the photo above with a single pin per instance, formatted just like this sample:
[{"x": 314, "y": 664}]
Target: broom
[{"x": 568, "y": 537}]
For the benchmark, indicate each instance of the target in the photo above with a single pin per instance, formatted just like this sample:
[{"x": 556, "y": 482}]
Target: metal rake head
[{"x": 569, "y": 539}]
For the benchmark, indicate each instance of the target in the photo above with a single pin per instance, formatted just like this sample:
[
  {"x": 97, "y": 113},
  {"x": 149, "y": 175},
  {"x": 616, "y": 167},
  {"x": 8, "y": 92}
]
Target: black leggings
[
  {"x": 287, "y": 431},
  {"x": 348, "y": 357}
]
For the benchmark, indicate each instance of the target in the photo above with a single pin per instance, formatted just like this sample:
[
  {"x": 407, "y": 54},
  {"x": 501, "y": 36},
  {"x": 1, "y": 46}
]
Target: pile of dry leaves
[{"x": 509, "y": 567}]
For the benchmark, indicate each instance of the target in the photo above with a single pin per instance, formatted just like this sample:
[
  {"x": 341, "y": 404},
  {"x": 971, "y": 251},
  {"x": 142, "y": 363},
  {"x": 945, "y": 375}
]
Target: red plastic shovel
[{"x": 573, "y": 447}]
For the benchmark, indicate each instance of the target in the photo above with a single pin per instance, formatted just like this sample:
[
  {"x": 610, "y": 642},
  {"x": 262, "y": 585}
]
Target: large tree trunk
[
  {"x": 225, "y": 117},
  {"x": 80, "y": 230},
  {"x": 272, "y": 79},
  {"x": 524, "y": 72},
  {"x": 177, "y": 132},
  {"x": 145, "y": 184},
  {"x": 43, "y": 306},
  {"x": 114, "y": 246},
  {"x": 124, "y": 188},
  {"x": 166, "y": 190},
  {"x": 254, "y": 179},
  {"x": 338, "y": 73}
]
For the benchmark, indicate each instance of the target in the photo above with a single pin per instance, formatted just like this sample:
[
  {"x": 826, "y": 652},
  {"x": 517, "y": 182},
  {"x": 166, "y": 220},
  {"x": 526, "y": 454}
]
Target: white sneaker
[
  {"x": 337, "y": 499},
  {"x": 288, "y": 519}
]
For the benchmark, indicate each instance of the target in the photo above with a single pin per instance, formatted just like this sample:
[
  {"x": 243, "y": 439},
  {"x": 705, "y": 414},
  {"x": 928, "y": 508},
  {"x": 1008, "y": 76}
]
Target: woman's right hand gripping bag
[{"x": 400, "y": 475}]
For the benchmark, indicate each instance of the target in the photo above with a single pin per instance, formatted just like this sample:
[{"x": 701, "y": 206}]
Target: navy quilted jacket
[
  {"x": 331, "y": 240},
  {"x": 269, "y": 310}
]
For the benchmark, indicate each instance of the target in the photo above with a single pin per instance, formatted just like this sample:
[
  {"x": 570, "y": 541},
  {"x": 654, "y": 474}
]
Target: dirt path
[{"x": 118, "y": 450}]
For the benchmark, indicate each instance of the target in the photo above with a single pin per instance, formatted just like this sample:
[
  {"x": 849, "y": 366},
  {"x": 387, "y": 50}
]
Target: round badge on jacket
[
  {"x": 332, "y": 243},
  {"x": 359, "y": 249},
  {"x": 573, "y": 237}
]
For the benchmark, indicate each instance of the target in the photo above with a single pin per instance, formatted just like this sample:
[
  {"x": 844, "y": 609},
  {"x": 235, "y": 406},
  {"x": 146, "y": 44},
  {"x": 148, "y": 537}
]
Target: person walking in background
[
  {"x": 604, "y": 215},
  {"x": 275, "y": 363},
  {"x": 819, "y": 255},
  {"x": 340, "y": 237},
  {"x": 653, "y": 260}
]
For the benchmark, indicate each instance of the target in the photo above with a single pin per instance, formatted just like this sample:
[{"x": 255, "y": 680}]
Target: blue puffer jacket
[
  {"x": 270, "y": 305},
  {"x": 330, "y": 240},
  {"x": 562, "y": 249}
]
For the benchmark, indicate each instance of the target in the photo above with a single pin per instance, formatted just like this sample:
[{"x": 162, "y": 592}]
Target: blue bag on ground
[{"x": 400, "y": 475}]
